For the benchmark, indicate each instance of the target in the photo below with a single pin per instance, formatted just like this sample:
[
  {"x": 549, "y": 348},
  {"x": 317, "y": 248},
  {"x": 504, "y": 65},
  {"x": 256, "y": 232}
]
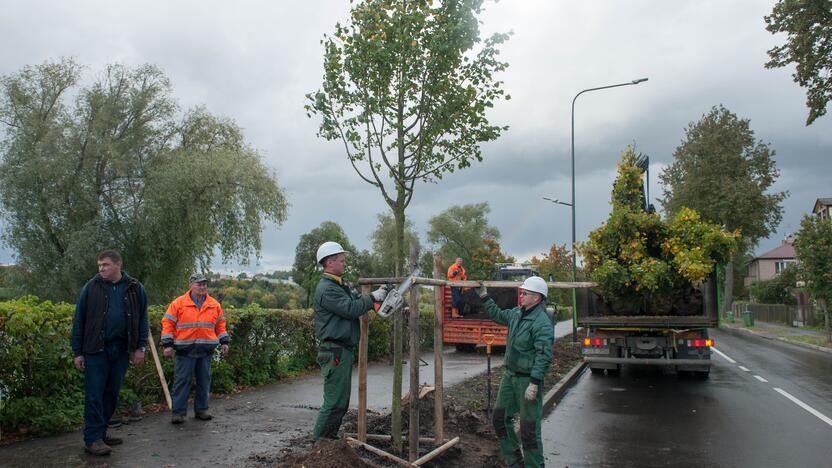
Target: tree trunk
[
  {"x": 826, "y": 320},
  {"x": 398, "y": 334},
  {"x": 728, "y": 298}
]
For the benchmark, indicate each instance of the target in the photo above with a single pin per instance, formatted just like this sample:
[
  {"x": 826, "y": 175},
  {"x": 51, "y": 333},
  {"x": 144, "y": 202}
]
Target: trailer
[{"x": 680, "y": 342}]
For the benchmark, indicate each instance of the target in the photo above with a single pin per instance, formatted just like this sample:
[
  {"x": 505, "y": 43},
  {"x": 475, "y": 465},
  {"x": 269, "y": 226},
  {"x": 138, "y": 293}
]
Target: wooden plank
[
  {"x": 439, "y": 395},
  {"x": 413, "y": 435},
  {"x": 436, "y": 452},
  {"x": 377, "y": 451},
  {"x": 364, "y": 322},
  {"x": 159, "y": 371},
  {"x": 475, "y": 284}
]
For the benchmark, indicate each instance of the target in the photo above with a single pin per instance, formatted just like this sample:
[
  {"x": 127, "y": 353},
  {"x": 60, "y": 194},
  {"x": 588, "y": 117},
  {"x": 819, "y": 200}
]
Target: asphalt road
[{"x": 770, "y": 407}]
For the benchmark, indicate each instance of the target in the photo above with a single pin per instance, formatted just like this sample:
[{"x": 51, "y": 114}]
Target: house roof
[
  {"x": 783, "y": 251},
  {"x": 821, "y": 202}
]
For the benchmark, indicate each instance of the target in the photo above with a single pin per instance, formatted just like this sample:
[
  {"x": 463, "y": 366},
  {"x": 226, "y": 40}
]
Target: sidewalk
[
  {"x": 265, "y": 419},
  {"x": 806, "y": 337}
]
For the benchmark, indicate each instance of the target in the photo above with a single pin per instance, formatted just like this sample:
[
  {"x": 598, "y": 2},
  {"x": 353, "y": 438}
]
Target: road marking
[
  {"x": 744, "y": 368},
  {"x": 725, "y": 356},
  {"x": 760, "y": 379},
  {"x": 808, "y": 408}
]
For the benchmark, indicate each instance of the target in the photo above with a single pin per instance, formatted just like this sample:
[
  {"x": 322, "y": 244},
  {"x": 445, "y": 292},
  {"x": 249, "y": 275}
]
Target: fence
[{"x": 792, "y": 315}]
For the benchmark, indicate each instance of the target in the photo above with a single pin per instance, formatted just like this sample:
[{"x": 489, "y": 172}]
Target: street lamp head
[{"x": 639, "y": 80}]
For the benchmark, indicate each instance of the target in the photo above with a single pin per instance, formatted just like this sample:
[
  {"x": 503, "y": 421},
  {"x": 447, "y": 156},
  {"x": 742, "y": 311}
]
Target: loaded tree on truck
[{"x": 656, "y": 294}]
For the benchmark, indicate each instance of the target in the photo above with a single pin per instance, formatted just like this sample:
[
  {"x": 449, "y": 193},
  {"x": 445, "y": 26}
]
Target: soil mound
[{"x": 325, "y": 454}]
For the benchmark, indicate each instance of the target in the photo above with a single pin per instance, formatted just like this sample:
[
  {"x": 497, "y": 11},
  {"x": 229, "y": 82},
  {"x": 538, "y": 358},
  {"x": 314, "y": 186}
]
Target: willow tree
[
  {"x": 406, "y": 88},
  {"x": 115, "y": 165}
]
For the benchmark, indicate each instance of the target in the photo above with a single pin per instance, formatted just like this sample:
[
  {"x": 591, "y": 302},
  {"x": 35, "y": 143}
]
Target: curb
[
  {"x": 557, "y": 392},
  {"x": 740, "y": 331},
  {"x": 806, "y": 345}
]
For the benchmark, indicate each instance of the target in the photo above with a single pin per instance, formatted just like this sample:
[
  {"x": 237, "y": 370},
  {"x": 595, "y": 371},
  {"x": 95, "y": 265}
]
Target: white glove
[
  {"x": 531, "y": 392},
  {"x": 379, "y": 294},
  {"x": 482, "y": 291}
]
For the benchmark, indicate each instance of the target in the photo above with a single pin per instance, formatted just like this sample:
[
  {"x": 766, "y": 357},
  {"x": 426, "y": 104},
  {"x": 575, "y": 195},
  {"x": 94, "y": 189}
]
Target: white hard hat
[
  {"x": 329, "y": 248},
  {"x": 535, "y": 284}
]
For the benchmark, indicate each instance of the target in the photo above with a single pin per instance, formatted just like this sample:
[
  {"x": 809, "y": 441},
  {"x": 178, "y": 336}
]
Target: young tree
[
  {"x": 808, "y": 24},
  {"x": 461, "y": 231},
  {"x": 813, "y": 246},
  {"x": 723, "y": 173},
  {"x": 384, "y": 243},
  {"x": 305, "y": 271},
  {"x": 406, "y": 92},
  {"x": 118, "y": 168}
]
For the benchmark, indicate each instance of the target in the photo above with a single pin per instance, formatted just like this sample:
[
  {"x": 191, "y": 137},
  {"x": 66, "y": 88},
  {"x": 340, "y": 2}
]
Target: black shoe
[
  {"x": 98, "y": 448},
  {"x": 112, "y": 440},
  {"x": 114, "y": 422},
  {"x": 177, "y": 419},
  {"x": 203, "y": 416}
]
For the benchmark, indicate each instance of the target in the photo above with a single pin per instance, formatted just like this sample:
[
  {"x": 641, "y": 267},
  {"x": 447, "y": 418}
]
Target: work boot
[
  {"x": 112, "y": 440},
  {"x": 98, "y": 448},
  {"x": 177, "y": 419},
  {"x": 203, "y": 416}
]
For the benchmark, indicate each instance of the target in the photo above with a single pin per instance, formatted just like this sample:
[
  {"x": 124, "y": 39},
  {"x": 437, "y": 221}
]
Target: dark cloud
[{"x": 255, "y": 62}]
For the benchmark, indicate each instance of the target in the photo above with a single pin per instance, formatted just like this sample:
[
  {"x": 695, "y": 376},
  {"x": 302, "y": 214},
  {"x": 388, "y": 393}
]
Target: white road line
[
  {"x": 760, "y": 379},
  {"x": 744, "y": 368},
  {"x": 808, "y": 408},
  {"x": 723, "y": 355}
]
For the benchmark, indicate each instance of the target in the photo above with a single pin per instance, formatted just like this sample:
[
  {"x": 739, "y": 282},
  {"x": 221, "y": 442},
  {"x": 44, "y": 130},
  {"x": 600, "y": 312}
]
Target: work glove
[
  {"x": 454, "y": 273},
  {"x": 379, "y": 294},
  {"x": 482, "y": 291},
  {"x": 531, "y": 392}
]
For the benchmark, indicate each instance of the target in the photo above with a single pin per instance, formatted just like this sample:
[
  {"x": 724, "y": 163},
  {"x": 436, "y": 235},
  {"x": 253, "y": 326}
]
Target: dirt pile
[{"x": 325, "y": 454}]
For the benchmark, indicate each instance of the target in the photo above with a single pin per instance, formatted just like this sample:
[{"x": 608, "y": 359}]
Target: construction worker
[
  {"x": 109, "y": 329},
  {"x": 456, "y": 272},
  {"x": 337, "y": 310},
  {"x": 192, "y": 327},
  {"x": 527, "y": 359}
]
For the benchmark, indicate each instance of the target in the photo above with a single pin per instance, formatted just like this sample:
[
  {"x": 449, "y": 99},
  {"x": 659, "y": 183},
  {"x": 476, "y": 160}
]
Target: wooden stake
[
  {"x": 439, "y": 396},
  {"x": 436, "y": 452},
  {"x": 413, "y": 435},
  {"x": 159, "y": 367},
  {"x": 362, "y": 372},
  {"x": 379, "y": 452},
  {"x": 386, "y": 438}
]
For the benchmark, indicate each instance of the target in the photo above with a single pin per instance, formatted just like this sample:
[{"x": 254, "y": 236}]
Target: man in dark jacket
[
  {"x": 337, "y": 310},
  {"x": 527, "y": 359},
  {"x": 109, "y": 330}
]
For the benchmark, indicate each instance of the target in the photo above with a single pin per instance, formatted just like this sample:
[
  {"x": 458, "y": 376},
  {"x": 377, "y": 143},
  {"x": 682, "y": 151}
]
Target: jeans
[
  {"x": 186, "y": 368},
  {"x": 103, "y": 375},
  {"x": 456, "y": 296}
]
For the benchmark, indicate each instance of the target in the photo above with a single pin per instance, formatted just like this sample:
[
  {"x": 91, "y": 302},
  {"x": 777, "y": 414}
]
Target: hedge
[{"x": 42, "y": 393}]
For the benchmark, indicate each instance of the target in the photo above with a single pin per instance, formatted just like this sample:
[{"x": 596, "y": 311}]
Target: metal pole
[{"x": 574, "y": 239}]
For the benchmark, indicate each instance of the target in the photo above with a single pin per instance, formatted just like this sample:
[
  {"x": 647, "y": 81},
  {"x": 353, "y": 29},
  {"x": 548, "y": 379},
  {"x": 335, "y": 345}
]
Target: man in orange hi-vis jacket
[
  {"x": 192, "y": 327},
  {"x": 456, "y": 272}
]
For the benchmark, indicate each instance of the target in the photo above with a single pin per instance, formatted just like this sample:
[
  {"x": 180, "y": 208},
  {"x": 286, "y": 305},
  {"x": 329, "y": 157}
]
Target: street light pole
[{"x": 574, "y": 240}]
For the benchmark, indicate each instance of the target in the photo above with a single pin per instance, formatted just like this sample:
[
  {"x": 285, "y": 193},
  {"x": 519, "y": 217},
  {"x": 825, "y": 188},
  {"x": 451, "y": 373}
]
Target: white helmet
[
  {"x": 329, "y": 248},
  {"x": 535, "y": 284}
]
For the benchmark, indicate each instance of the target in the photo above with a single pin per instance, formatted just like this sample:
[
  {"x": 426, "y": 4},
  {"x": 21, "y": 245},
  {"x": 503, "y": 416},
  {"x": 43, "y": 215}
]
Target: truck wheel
[
  {"x": 615, "y": 372},
  {"x": 596, "y": 370},
  {"x": 465, "y": 348},
  {"x": 702, "y": 375}
]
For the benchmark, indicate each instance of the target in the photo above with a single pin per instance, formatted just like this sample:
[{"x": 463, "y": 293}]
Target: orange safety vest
[
  {"x": 456, "y": 273},
  {"x": 184, "y": 325}
]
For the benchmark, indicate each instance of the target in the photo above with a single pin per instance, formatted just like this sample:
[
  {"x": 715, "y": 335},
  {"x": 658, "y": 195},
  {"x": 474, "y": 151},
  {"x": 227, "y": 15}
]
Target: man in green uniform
[
  {"x": 337, "y": 310},
  {"x": 527, "y": 359}
]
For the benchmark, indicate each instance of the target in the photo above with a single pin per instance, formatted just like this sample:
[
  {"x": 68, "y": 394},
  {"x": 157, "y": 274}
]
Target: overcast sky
[{"x": 254, "y": 61}]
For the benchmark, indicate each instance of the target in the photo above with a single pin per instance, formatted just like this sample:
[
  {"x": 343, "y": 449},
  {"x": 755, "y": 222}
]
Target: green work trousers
[
  {"x": 510, "y": 401},
  {"x": 336, "y": 369}
]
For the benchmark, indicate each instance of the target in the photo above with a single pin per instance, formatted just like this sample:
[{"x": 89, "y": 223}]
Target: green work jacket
[
  {"x": 337, "y": 310},
  {"x": 529, "y": 341}
]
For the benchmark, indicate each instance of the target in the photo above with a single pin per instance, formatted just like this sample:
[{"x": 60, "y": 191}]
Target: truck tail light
[
  {"x": 595, "y": 342},
  {"x": 700, "y": 343}
]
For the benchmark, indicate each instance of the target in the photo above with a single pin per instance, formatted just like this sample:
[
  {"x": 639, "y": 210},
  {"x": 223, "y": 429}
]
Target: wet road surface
[{"x": 771, "y": 407}]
